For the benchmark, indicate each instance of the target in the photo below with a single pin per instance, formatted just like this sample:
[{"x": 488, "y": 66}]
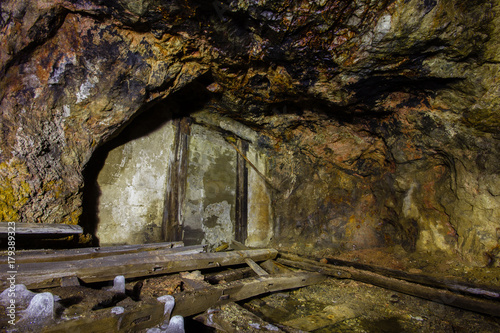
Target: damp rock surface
[{"x": 380, "y": 118}]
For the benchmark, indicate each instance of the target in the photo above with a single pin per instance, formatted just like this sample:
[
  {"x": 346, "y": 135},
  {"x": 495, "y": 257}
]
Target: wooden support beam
[
  {"x": 44, "y": 275},
  {"x": 432, "y": 294},
  {"x": 39, "y": 230},
  {"x": 241, "y": 206},
  {"x": 176, "y": 187},
  {"x": 24, "y": 256}
]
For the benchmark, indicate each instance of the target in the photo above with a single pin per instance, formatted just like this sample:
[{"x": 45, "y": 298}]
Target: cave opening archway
[{"x": 173, "y": 175}]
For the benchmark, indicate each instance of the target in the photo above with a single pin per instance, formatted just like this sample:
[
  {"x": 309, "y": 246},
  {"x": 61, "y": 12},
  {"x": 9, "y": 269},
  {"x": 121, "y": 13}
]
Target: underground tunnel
[{"x": 318, "y": 166}]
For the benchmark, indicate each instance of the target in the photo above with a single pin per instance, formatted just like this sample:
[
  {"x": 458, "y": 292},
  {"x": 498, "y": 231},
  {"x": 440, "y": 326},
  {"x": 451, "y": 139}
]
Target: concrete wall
[
  {"x": 209, "y": 206},
  {"x": 133, "y": 186},
  {"x": 260, "y": 217}
]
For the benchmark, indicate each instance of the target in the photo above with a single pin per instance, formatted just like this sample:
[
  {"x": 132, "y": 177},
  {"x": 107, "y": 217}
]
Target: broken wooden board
[
  {"x": 89, "y": 252},
  {"x": 44, "y": 275},
  {"x": 191, "y": 303},
  {"x": 229, "y": 275},
  {"x": 433, "y": 294},
  {"x": 144, "y": 315},
  {"x": 235, "y": 245},
  {"x": 273, "y": 267},
  {"x": 149, "y": 313},
  {"x": 43, "y": 230},
  {"x": 256, "y": 268}
]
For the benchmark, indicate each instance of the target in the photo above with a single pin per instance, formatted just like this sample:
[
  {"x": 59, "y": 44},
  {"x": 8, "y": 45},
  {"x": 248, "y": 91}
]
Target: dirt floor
[{"x": 350, "y": 306}]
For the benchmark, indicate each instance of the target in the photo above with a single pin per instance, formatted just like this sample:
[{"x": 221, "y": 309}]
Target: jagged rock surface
[{"x": 380, "y": 117}]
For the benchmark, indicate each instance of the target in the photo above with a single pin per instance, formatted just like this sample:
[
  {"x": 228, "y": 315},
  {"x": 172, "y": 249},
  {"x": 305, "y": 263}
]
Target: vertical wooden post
[
  {"x": 241, "y": 209},
  {"x": 176, "y": 183}
]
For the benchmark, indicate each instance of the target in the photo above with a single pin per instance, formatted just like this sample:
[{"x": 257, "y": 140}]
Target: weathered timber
[
  {"x": 256, "y": 268},
  {"x": 445, "y": 283},
  {"x": 175, "y": 194},
  {"x": 229, "y": 275},
  {"x": 233, "y": 318},
  {"x": 442, "y": 296},
  {"x": 24, "y": 256},
  {"x": 44, "y": 275},
  {"x": 241, "y": 205},
  {"x": 42, "y": 230},
  {"x": 194, "y": 280},
  {"x": 144, "y": 315},
  {"x": 268, "y": 182},
  {"x": 311, "y": 265},
  {"x": 431, "y": 281},
  {"x": 273, "y": 267},
  {"x": 235, "y": 245},
  {"x": 149, "y": 313},
  {"x": 191, "y": 303}
]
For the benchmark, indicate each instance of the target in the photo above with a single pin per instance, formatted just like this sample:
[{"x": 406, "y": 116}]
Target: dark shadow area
[{"x": 386, "y": 325}]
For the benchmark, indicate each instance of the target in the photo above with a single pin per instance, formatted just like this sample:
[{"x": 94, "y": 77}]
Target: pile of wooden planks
[
  {"x": 96, "y": 265},
  {"x": 68, "y": 268},
  {"x": 251, "y": 272},
  {"x": 38, "y": 230}
]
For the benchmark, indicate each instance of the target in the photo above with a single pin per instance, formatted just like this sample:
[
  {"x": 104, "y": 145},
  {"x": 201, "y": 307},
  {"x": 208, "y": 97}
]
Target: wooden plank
[
  {"x": 317, "y": 267},
  {"x": 39, "y": 229},
  {"x": 442, "y": 283},
  {"x": 235, "y": 245},
  {"x": 44, "y": 275},
  {"x": 150, "y": 313},
  {"x": 191, "y": 303},
  {"x": 273, "y": 267},
  {"x": 432, "y": 294},
  {"x": 256, "y": 268},
  {"x": 24, "y": 256}
]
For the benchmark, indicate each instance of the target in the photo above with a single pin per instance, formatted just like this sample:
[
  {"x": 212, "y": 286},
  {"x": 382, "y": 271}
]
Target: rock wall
[{"x": 380, "y": 117}]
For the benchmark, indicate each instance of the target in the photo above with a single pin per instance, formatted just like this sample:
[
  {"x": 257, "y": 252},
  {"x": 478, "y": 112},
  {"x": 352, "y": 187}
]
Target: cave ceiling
[{"x": 374, "y": 93}]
